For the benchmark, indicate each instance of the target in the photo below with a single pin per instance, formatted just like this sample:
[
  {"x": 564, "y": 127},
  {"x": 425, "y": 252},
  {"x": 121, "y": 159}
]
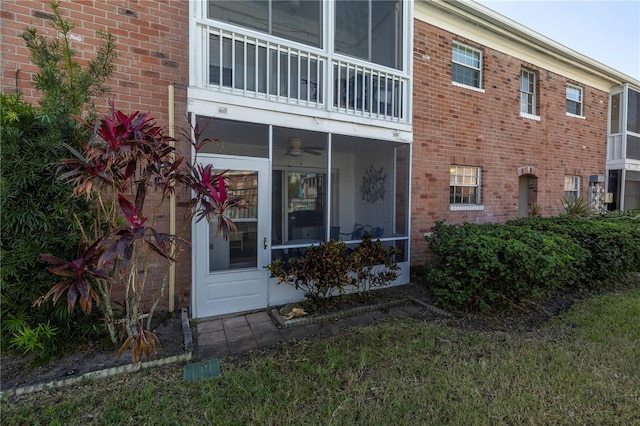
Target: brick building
[
  {"x": 152, "y": 41},
  {"x": 335, "y": 115},
  {"x": 505, "y": 121}
]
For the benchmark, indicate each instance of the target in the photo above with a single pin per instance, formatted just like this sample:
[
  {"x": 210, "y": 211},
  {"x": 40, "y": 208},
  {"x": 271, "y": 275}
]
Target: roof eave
[{"x": 497, "y": 23}]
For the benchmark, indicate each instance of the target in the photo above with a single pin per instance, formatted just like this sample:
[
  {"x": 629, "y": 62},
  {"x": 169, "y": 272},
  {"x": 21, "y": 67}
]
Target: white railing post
[{"x": 342, "y": 85}]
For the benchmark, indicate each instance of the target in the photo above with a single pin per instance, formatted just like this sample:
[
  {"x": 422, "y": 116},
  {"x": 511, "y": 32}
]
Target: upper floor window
[
  {"x": 574, "y": 101},
  {"x": 633, "y": 111},
  {"x": 464, "y": 185},
  {"x": 614, "y": 113},
  {"x": 299, "y": 21},
  {"x": 571, "y": 188},
  {"x": 528, "y": 92},
  {"x": 466, "y": 67},
  {"x": 371, "y": 30}
]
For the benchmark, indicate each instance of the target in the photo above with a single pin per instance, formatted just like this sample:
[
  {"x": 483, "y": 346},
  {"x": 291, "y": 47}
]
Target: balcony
[
  {"x": 242, "y": 62},
  {"x": 623, "y": 142}
]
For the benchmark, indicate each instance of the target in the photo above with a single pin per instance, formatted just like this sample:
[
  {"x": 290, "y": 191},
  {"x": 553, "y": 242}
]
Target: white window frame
[
  {"x": 572, "y": 186},
  {"x": 400, "y": 36},
  {"x": 478, "y": 69},
  {"x": 579, "y": 102},
  {"x": 466, "y": 176},
  {"x": 530, "y": 92},
  {"x": 617, "y": 120}
]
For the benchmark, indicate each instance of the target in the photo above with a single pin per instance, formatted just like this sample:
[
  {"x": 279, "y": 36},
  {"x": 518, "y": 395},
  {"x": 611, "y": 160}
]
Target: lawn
[{"x": 582, "y": 367}]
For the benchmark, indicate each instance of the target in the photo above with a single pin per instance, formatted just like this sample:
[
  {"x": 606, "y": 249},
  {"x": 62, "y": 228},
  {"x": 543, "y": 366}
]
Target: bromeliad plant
[{"x": 127, "y": 159}]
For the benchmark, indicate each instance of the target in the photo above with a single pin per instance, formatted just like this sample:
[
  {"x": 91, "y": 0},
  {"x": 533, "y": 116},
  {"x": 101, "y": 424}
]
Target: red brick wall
[
  {"x": 451, "y": 125},
  {"x": 152, "y": 41},
  {"x": 460, "y": 126}
]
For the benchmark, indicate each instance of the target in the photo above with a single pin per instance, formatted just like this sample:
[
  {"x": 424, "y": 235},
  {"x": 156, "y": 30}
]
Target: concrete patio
[{"x": 231, "y": 335}]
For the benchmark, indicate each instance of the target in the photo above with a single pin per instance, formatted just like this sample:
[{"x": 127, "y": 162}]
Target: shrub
[
  {"x": 327, "y": 269},
  {"x": 37, "y": 216},
  {"x": 38, "y": 213},
  {"x": 67, "y": 85},
  {"x": 373, "y": 265},
  {"x": 27, "y": 339},
  {"x": 578, "y": 207},
  {"x": 127, "y": 170},
  {"x": 321, "y": 273},
  {"x": 493, "y": 267},
  {"x": 612, "y": 244}
]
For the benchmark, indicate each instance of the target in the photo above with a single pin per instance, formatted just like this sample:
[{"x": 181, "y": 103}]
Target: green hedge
[
  {"x": 492, "y": 267},
  {"x": 612, "y": 242},
  {"x": 37, "y": 217}
]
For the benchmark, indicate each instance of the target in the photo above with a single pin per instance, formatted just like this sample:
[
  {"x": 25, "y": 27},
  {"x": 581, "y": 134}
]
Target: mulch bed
[{"x": 17, "y": 371}]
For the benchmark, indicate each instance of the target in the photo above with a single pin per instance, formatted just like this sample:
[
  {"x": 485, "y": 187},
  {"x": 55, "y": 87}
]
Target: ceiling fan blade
[
  {"x": 312, "y": 152},
  {"x": 293, "y": 152}
]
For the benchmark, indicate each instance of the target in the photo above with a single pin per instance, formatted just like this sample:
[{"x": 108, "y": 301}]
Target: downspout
[{"x": 172, "y": 207}]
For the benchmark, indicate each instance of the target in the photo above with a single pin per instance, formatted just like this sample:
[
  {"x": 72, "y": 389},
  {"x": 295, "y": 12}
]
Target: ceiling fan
[{"x": 295, "y": 148}]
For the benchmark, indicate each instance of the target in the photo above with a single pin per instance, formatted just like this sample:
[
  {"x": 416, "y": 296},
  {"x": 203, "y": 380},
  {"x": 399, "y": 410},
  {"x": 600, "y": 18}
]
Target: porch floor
[{"x": 232, "y": 335}]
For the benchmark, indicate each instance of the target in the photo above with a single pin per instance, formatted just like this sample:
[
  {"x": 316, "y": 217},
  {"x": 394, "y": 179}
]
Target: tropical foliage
[
  {"x": 576, "y": 207},
  {"x": 68, "y": 84},
  {"x": 38, "y": 213},
  {"x": 328, "y": 269},
  {"x": 127, "y": 170},
  {"x": 120, "y": 167},
  {"x": 373, "y": 265}
]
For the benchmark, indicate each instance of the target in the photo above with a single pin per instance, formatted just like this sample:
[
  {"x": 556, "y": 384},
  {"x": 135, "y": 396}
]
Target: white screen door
[{"x": 230, "y": 275}]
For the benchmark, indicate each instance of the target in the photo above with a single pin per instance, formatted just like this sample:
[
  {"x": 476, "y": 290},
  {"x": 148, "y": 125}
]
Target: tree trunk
[{"x": 104, "y": 295}]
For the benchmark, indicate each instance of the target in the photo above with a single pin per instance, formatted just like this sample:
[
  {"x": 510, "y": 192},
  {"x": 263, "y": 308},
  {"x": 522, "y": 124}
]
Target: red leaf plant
[
  {"x": 128, "y": 158},
  {"x": 144, "y": 343},
  {"x": 80, "y": 273},
  {"x": 211, "y": 199}
]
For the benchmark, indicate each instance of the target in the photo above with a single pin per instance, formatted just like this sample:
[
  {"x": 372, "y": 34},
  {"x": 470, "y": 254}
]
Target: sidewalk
[{"x": 231, "y": 335}]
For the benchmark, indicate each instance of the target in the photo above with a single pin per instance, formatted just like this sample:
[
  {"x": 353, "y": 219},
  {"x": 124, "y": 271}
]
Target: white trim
[
  {"x": 201, "y": 101},
  {"x": 478, "y": 185},
  {"x": 576, "y": 116},
  {"x": 618, "y": 91},
  {"x": 530, "y": 116},
  {"x": 532, "y": 77},
  {"x": 408, "y": 33},
  {"x": 484, "y": 26},
  {"x": 194, "y": 257},
  {"x": 464, "y": 86},
  {"x": 462, "y": 46},
  {"x": 465, "y": 207},
  {"x": 572, "y": 185},
  {"x": 580, "y": 102}
]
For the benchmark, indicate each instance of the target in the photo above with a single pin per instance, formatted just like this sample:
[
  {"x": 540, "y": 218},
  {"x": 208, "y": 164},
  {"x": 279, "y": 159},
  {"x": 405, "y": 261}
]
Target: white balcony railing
[
  {"x": 633, "y": 147},
  {"x": 615, "y": 148},
  {"x": 623, "y": 146},
  {"x": 252, "y": 66},
  {"x": 366, "y": 91}
]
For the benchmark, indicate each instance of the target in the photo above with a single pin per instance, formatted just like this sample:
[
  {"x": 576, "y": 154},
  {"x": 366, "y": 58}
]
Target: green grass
[{"x": 582, "y": 367}]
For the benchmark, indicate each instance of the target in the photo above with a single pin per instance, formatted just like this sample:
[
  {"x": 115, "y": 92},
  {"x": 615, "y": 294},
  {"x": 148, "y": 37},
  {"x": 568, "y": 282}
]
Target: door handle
[{"x": 265, "y": 243}]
